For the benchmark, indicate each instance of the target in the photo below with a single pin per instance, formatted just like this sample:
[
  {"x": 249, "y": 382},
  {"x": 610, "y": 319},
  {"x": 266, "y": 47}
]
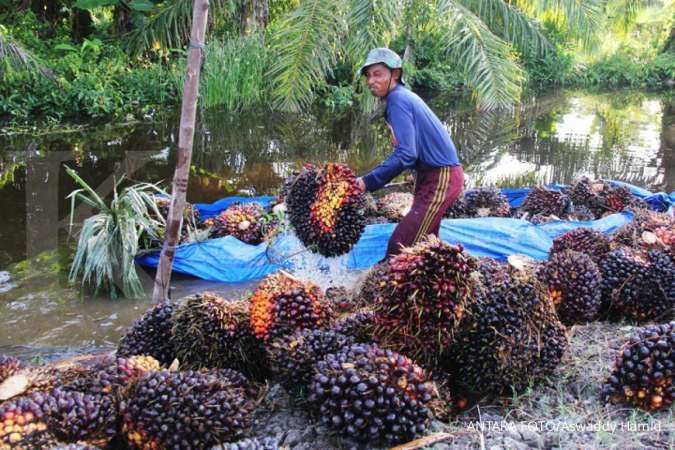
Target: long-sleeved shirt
[{"x": 419, "y": 139}]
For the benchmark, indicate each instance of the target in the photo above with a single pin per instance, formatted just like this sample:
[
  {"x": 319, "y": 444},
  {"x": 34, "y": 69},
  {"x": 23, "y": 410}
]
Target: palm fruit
[
  {"x": 23, "y": 426},
  {"x": 371, "y": 394},
  {"x": 370, "y": 283},
  {"x": 442, "y": 405},
  {"x": 184, "y": 410},
  {"x": 243, "y": 221},
  {"x": 632, "y": 233},
  {"x": 293, "y": 357},
  {"x": 573, "y": 282},
  {"x": 486, "y": 201},
  {"x": 326, "y": 208},
  {"x": 421, "y": 298},
  {"x": 546, "y": 202},
  {"x": 602, "y": 197},
  {"x": 212, "y": 332},
  {"x": 636, "y": 286},
  {"x": 8, "y": 366},
  {"x": 286, "y": 186},
  {"x": 358, "y": 325},
  {"x": 282, "y": 305},
  {"x": 509, "y": 337},
  {"x": 457, "y": 210},
  {"x": 190, "y": 216},
  {"x": 395, "y": 205},
  {"x": 643, "y": 372},
  {"x": 150, "y": 335},
  {"x": 585, "y": 240},
  {"x": 267, "y": 443}
]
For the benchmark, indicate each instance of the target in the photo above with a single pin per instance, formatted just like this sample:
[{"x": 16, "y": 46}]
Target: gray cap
[{"x": 383, "y": 56}]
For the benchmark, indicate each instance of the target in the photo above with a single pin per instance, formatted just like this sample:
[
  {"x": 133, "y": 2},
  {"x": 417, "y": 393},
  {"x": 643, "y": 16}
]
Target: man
[{"x": 421, "y": 143}]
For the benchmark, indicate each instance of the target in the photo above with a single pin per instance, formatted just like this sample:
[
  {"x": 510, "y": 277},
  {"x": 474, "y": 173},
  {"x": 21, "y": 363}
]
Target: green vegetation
[{"x": 65, "y": 60}]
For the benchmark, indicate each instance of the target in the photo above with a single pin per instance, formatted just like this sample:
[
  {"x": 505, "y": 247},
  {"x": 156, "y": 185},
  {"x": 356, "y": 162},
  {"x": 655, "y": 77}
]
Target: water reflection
[{"x": 555, "y": 138}]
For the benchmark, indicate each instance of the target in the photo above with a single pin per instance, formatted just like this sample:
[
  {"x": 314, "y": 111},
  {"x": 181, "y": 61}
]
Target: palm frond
[
  {"x": 510, "y": 23},
  {"x": 489, "y": 67},
  {"x": 372, "y": 23},
  {"x": 13, "y": 57},
  {"x": 169, "y": 26},
  {"x": 304, "y": 46},
  {"x": 583, "y": 17}
]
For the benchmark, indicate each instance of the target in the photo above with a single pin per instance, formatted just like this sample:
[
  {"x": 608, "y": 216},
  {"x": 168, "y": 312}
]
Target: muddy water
[{"x": 556, "y": 137}]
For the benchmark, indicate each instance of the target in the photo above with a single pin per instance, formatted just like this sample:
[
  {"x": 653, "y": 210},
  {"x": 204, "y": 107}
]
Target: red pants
[{"x": 435, "y": 190}]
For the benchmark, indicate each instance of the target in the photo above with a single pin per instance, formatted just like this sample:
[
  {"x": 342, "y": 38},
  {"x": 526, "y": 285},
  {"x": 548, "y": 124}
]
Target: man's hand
[{"x": 361, "y": 184}]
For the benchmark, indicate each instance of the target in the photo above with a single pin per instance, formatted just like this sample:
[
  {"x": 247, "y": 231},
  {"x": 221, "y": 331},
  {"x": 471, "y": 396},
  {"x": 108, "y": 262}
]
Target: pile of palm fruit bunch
[
  {"x": 395, "y": 205},
  {"x": 282, "y": 305},
  {"x": 371, "y": 394},
  {"x": 420, "y": 299},
  {"x": 151, "y": 335},
  {"x": 541, "y": 204},
  {"x": 585, "y": 240},
  {"x": 480, "y": 202},
  {"x": 326, "y": 208},
  {"x": 644, "y": 369},
  {"x": 244, "y": 221},
  {"x": 648, "y": 230},
  {"x": 8, "y": 366},
  {"x": 212, "y": 332},
  {"x": 573, "y": 282},
  {"x": 23, "y": 425},
  {"x": 190, "y": 216},
  {"x": 509, "y": 336},
  {"x": 638, "y": 285},
  {"x": 601, "y": 197}
]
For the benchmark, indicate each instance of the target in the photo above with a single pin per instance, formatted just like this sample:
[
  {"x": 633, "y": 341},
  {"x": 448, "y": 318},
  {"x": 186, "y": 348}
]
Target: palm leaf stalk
[{"x": 108, "y": 240}]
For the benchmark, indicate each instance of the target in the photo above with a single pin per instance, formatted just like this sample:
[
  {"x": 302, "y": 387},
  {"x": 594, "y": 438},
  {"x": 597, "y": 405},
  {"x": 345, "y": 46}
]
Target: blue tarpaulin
[{"x": 230, "y": 260}]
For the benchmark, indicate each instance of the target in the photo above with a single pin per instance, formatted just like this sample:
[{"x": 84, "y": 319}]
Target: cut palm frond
[
  {"x": 108, "y": 240},
  {"x": 488, "y": 64},
  {"x": 305, "y": 49}
]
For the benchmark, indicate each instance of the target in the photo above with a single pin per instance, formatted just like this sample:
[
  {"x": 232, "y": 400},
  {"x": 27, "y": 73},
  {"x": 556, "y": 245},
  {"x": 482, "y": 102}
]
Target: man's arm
[{"x": 405, "y": 150}]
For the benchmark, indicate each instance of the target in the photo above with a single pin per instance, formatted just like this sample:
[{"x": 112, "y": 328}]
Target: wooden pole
[{"x": 200, "y": 10}]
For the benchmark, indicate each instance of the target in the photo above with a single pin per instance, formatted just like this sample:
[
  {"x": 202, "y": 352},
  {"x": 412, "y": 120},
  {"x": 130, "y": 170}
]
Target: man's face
[{"x": 379, "y": 79}]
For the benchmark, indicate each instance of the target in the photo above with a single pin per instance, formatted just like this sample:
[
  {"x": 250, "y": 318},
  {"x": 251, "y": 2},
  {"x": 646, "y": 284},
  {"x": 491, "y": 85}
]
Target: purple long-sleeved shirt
[{"x": 420, "y": 140}]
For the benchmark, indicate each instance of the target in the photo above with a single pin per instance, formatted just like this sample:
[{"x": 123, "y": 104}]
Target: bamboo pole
[{"x": 200, "y": 10}]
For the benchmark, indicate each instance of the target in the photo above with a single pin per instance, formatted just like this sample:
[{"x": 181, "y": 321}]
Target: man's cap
[{"x": 383, "y": 56}]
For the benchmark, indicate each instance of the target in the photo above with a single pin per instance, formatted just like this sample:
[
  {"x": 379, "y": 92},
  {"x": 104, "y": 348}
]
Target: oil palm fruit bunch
[
  {"x": 646, "y": 220},
  {"x": 636, "y": 286},
  {"x": 457, "y": 210},
  {"x": 293, "y": 357},
  {"x": 585, "y": 240},
  {"x": 421, "y": 299},
  {"x": 573, "y": 282},
  {"x": 326, "y": 207},
  {"x": 541, "y": 200},
  {"x": 23, "y": 424},
  {"x": 358, "y": 325},
  {"x": 371, "y": 394},
  {"x": 184, "y": 410},
  {"x": 509, "y": 337},
  {"x": 212, "y": 332},
  {"x": 283, "y": 304},
  {"x": 617, "y": 198},
  {"x": 243, "y": 221},
  {"x": 644, "y": 369},
  {"x": 268, "y": 443},
  {"x": 486, "y": 201},
  {"x": 370, "y": 284},
  {"x": 395, "y": 205},
  {"x": 190, "y": 216},
  {"x": 8, "y": 366},
  {"x": 150, "y": 335}
]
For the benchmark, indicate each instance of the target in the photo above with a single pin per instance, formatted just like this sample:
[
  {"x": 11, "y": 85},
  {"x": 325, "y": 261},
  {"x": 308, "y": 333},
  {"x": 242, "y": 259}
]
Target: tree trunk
[
  {"x": 200, "y": 10},
  {"x": 81, "y": 25},
  {"x": 122, "y": 19},
  {"x": 254, "y": 13}
]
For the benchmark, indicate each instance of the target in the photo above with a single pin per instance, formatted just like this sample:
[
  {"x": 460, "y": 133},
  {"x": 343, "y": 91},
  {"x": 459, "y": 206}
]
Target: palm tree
[{"x": 481, "y": 36}]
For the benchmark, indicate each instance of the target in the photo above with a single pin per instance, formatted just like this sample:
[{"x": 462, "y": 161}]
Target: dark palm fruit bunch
[
  {"x": 421, "y": 299},
  {"x": 8, "y": 366},
  {"x": 631, "y": 234},
  {"x": 22, "y": 424},
  {"x": 644, "y": 369},
  {"x": 358, "y": 325},
  {"x": 637, "y": 287},
  {"x": 326, "y": 208},
  {"x": 457, "y": 210},
  {"x": 286, "y": 187},
  {"x": 486, "y": 201},
  {"x": 601, "y": 197},
  {"x": 581, "y": 213},
  {"x": 546, "y": 202},
  {"x": 293, "y": 357},
  {"x": 585, "y": 240},
  {"x": 573, "y": 282},
  {"x": 184, "y": 410},
  {"x": 150, "y": 335},
  {"x": 190, "y": 215},
  {"x": 212, "y": 332},
  {"x": 267, "y": 443},
  {"x": 510, "y": 335},
  {"x": 243, "y": 221},
  {"x": 370, "y": 284},
  {"x": 283, "y": 304},
  {"x": 395, "y": 205},
  {"x": 371, "y": 394}
]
